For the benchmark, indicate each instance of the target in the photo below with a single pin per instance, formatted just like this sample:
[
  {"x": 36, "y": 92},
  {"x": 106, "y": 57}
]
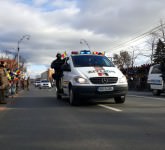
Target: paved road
[{"x": 37, "y": 121}]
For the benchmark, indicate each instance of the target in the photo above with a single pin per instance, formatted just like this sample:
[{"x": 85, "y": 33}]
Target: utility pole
[{"x": 18, "y": 46}]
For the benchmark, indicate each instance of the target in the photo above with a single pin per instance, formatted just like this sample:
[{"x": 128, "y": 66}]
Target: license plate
[{"x": 105, "y": 88}]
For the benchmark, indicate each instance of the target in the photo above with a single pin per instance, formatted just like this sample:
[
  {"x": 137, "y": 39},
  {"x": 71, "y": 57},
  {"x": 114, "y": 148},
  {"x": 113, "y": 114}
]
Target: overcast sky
[{"x": 59, "y": 25}]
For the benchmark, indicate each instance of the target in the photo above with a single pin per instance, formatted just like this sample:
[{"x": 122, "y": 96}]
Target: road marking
[
  {"x": 161, "y": 99},
  {"x": 111, "y": 108}
]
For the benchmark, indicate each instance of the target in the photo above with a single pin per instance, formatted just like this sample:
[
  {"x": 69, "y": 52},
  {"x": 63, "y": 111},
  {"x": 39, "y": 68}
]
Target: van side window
[{"x": 156, "y": 70}]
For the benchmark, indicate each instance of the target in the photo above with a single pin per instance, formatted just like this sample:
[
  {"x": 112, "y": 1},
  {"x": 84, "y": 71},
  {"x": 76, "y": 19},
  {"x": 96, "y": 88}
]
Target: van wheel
[
  {"x": 119, "y": 99},
  {"x": 73, "y": 98},
  {"x": 156, "y": 92}
]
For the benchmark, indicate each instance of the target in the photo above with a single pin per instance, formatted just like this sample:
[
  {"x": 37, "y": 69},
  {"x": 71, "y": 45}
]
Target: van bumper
[{"x": 92, "y": 91}]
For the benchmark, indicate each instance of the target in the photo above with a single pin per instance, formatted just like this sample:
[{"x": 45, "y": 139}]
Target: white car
[
  {"x": 87, "y": 75},
  {"x": 45, "y": 84},
  {"x": 37, "y": 83},
  {"x": 155, "y": 80}
]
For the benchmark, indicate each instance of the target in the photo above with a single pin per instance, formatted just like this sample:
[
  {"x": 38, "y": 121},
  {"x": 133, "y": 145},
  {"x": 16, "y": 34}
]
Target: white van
[
  {"x": 155, "y": 80},
  {"x": 87, "y": 75}
]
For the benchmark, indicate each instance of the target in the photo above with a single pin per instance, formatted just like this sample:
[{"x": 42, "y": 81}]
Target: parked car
[
  {"x": 45, "y": 84},
  {"x": 37, "y": 83},
  {"x": 155, "y": 80}
]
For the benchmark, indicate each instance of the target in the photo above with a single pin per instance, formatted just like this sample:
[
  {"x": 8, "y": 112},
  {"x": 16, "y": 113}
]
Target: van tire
[
  {"x": 73, "y": 97},
  {"x": 119, "y": 99},
  {"x": 156, "y": 92}
]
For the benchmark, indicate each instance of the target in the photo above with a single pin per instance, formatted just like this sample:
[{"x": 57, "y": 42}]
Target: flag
[
  {"x": 103, "y": 53},
  {"x": 63, "y": 55},
  {"x": 99, "y": 53},
  {"x": 17, "y": 71},
  {"x": 96, "y": 53}
]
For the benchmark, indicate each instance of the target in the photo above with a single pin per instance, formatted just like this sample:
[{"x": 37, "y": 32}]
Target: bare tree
[
  {"x": 8, "y": 54},
  {"x": 162, "y": 29},
  {"x": 151, "y": 46},
  {"x": 153, "y": 40},
  {"x": 22, "y": 62},
  {"x": 122, "y": 60},
  {"x": 135, "y": 53}
]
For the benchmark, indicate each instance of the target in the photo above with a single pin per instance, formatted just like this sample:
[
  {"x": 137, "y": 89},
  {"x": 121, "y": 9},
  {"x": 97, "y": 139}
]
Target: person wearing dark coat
[
  {"x": 3, "y": 83},
  {"x": 162, "y": 68},
  {"x": 57, "y": 66}
]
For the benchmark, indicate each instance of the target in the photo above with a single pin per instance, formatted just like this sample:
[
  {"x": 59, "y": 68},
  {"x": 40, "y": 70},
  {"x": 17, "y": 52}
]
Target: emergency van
[
  {"x": 87, "y": 75},
  {"x": 155, "y": 80}
]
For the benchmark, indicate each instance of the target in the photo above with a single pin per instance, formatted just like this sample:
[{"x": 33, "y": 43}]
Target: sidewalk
[{"x": 145, "y": 92}]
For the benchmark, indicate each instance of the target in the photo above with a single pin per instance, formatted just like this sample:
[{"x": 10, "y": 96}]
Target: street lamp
[
  {"x": 27, "y": 37},
  {"x": 84, "y": 41}
]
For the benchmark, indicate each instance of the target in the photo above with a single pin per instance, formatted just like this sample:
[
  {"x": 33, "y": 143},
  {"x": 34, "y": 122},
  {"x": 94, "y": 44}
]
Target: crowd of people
[
  {"x": 10, "y": 82},
  {"x": 137, "y": 77}
]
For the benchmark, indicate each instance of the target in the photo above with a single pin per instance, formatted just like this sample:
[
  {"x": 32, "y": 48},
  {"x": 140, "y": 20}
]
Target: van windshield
[{"x": 91, "y": 60}]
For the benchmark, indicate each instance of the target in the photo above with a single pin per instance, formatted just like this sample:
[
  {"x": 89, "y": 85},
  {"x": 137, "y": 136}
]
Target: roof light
[
  {"x": 95, "y": 53},
  {"x": 85, "y": 52},
  {"x": 74, "y": 52},
  {"x": 99, "y": 53}
]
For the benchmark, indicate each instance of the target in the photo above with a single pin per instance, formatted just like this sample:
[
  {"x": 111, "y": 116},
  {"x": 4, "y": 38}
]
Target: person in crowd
[
  {"x": 140, "y": 73},
  {"x": 4, "y": 83},
  {"x": 6, "y": 80},
  {"x": 12, "y": 87},
  {"x": 22, "y": 80},
  {"x": 12, "y": 84},
  {"x": 28, "y": 83},
  {"x": 57, "y": 66},
  {"x": 162, "y": 67}
]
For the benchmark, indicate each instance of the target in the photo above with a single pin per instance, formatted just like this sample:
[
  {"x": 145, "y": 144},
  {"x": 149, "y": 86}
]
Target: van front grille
[{"x": 103, "y": 80}]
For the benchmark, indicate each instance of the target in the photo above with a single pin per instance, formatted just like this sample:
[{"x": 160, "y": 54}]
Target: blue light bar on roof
[{"x": 85, "y": 52}]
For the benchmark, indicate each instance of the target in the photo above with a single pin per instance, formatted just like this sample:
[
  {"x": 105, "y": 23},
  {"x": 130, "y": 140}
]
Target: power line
[
  {"x": 138, "y": 37},
  {"x": 130, "y": 35}
]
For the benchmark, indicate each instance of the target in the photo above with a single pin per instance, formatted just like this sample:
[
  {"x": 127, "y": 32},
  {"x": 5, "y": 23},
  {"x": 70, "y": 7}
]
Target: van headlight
[
  {"x": 123, "y": 79},
  {"x": 81, "y": 80}
]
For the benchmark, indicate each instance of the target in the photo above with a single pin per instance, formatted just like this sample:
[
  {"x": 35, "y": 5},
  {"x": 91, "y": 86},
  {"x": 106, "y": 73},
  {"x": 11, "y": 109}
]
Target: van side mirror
[{"x": 66, "y": 67}]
